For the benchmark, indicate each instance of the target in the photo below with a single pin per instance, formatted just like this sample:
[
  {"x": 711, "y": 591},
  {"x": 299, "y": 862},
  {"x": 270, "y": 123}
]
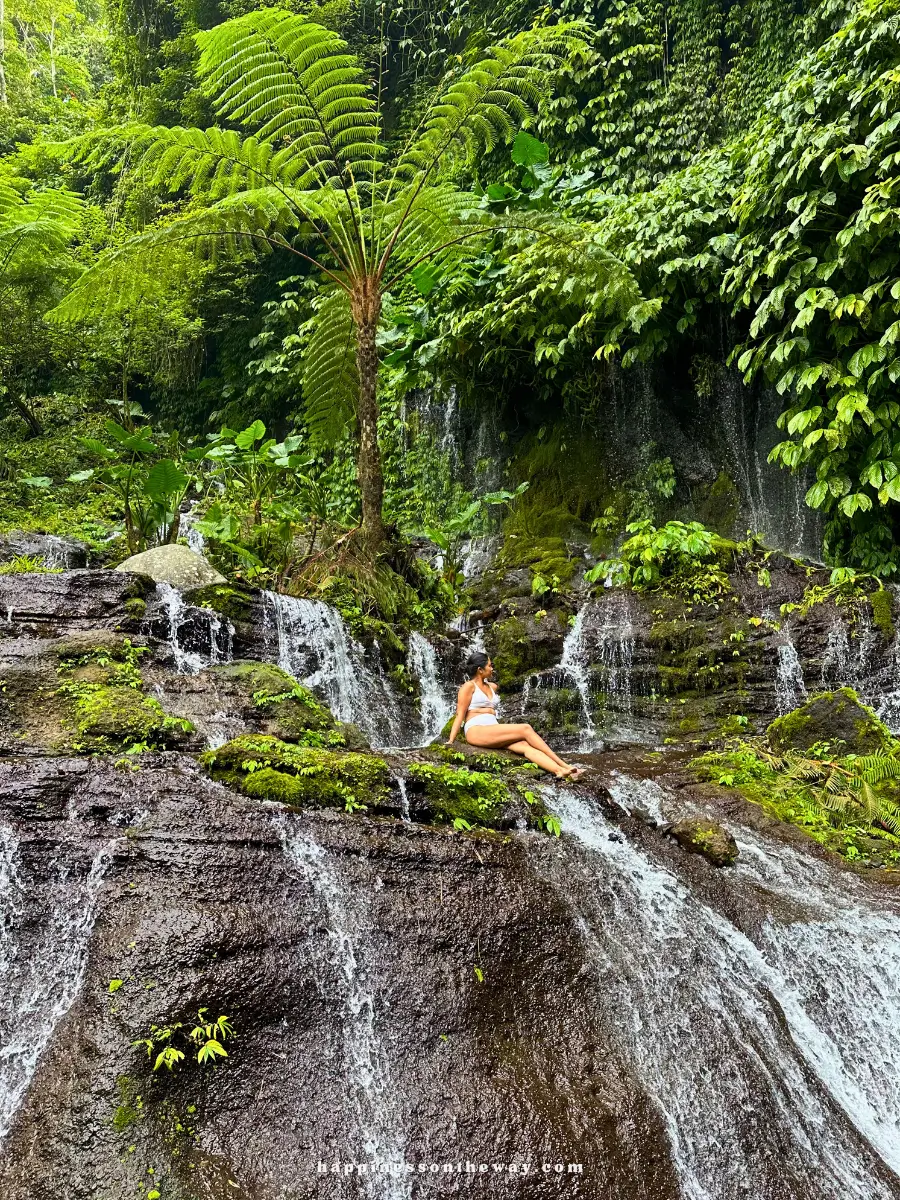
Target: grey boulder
[{"x": 177, "y": 565}]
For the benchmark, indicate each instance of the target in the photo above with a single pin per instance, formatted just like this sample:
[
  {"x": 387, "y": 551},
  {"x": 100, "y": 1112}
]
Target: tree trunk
[
  {"x": 371, "y": 478},
  {"x": 35, "y": 428}
]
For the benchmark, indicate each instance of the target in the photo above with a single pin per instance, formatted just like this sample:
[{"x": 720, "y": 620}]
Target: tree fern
[
  {"x": 329, "y": 375},
  {"x": 313, "y": 177}
]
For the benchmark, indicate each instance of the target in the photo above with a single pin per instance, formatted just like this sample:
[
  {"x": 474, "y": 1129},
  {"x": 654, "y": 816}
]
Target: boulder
[
  {"x": 698, "y": 835},
  {"x": 177, "y": 565},
  {"x": 838, "y": 718}
]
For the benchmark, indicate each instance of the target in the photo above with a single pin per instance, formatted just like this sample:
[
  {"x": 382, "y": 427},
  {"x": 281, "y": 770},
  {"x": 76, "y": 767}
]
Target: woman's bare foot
[{"x": 570, "y": 773}]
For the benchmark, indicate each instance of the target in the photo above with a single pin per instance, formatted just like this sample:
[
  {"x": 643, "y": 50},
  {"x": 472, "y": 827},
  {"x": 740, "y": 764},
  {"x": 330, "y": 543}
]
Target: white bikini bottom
[{"x": 480, "y": 719}]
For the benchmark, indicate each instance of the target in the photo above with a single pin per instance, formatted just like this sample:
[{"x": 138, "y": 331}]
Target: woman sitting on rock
[{"x": 477, "y": 704}]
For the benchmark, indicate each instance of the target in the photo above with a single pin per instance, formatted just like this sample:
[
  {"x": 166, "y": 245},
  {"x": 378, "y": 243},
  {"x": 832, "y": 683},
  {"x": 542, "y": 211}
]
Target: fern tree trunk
[{"x": 371, "y": 477}]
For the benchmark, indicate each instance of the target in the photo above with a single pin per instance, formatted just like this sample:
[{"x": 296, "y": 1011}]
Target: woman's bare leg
[
  {"x": 497, "y": 737},
  {"x": 544, "y": 761}
]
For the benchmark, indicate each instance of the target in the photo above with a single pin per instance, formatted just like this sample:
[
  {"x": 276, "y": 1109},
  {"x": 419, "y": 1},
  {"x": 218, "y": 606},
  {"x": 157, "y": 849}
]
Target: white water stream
[
  {"x": 42, "y": 969},
  {"x": 770, "y": 1058},
  {"x": 434, "y": 706},
  {"x": 313, "y": 645},
  {"x": 379, "y": 1124},
  {"x": 198, "y": 637}
]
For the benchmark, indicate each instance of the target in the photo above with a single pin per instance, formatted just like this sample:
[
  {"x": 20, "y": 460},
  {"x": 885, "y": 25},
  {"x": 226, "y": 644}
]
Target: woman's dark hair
[{"x": 476, "y": 660}]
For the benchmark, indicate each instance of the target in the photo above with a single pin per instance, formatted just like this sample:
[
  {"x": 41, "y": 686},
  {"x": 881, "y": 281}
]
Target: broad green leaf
[
  {"x": 251, "y": 434},
  {"x": 527, "y": 151},
  {"x": 165, "y": 479}
]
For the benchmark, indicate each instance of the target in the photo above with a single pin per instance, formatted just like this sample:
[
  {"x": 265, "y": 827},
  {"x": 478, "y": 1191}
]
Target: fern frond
[
  {"x": 35, "y": 228},
  {"x": 235, "y": 228},
  {"x": 877, "y": 767},
  {"x": 486, "y": 105},
  {"x": 294, "y": 83},
  {"x": 329, "y": 375}
]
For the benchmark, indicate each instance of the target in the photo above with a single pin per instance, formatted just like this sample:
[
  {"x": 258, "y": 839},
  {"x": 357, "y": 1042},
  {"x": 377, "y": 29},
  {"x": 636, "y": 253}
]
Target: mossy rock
[
  {"x": 98, "y": 643},
  {"x": 494, "y": 762},
  {"x": 291, "y": 710},
  {"x": 882, "y": 604},
  {"x": 236, "y": 604},
  {"x": 700, "y": 836},
  {"x": 833, "y": 717},
  {"x": 124, "y": 715},
  {"x": 476, "y": 797},
  {"x": 268, "y": 768}
]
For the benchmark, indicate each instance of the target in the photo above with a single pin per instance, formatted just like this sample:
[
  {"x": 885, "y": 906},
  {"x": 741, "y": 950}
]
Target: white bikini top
[{"x": 481, "y": 699}]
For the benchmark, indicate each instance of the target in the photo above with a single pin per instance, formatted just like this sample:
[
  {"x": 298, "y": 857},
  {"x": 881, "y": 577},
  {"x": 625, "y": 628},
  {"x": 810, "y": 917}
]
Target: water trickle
[
  {"x": 198, "y": 637},
  {"x": 404, "y": 799},
  {"x": 807, "y": 1095},
  {"x": 313, "y": 645},
  {"x": 837, "y": 661},
  {"x": 188, "y": 530},
  {"x": 616, "y": 653},
  {"x": 790, "y": 688},
  {"x": 42, "y": 962},
  {"x": 434, "y": 707},
  {"x": 378, "y": 1118},
  {"x": 574, "y": 663}
]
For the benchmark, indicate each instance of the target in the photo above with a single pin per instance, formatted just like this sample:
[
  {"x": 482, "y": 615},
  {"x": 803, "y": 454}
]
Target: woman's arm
[{"x": 463, "y": 699}]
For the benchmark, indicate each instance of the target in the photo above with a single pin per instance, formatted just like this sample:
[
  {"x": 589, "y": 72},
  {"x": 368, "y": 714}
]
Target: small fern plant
[
  {"x": 314, "y": 175},
  {"x": 848, "y": 788}
]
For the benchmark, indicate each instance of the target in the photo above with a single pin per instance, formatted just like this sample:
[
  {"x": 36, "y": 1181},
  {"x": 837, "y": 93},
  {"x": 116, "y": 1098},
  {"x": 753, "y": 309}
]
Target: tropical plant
[
  {"x": 206, "y": 1040},
  {"x": 318, "y": 179},
  {"x": 148, "y": 482},
  {"x": 37, "y": 228},
  {"x": 670, "y": 555},
  {"x": 450, "y": 535}
]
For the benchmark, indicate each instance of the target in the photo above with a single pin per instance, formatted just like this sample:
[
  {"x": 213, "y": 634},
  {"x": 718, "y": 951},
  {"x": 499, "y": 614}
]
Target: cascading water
[
  {"x": 43, "y": 958},
  {"x": 313, "y": 645},
  {"x": 434, "y": 707},
  {"x": 768, "y": 1050},
  {"x": 574, "y": 663},
  {"x": 198, "y": 637},
  {"x": 790, "y": 688},
  {"x": 379, "y": 1124}
]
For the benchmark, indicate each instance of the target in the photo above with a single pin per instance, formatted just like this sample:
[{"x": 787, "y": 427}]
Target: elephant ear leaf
[
  {"x": 251, "y": 434},
  {"x": 165, "y": 479}
]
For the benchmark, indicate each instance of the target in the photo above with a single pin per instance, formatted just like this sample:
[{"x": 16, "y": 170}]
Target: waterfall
[
  {"x": 616, "y": 653},
  {"x": 790, "y": 689},
  {"x": 770, "y": 1055},
  {"x": 574, "y": 663},
  {"x": 837, "y": 662},
  {"x": 434, "y": 707},
  {"x": 187, "y": 528},
  {"x": 380, "y": 1123},
  {"x": 313, "y": 645},
  {"x": 39, "y": 979},
  {"x": 198, "y": 637}
]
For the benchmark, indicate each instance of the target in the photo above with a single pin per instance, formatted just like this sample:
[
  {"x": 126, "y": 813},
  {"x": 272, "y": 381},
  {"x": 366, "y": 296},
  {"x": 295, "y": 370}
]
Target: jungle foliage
[{"x": 216, "y": 214}]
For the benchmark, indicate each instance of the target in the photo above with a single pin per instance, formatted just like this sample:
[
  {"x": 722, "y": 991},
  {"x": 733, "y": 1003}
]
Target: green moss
[
  {"x": 234, "y": 603},
  {"x": 136, "y": 608},
  {"x": 836, "y": 718},
  {"x": 883, "y": 612},
  {"x": 122, "y": 714},
  {"x": 266, "y": 767},
  {"x": 790, "y": 799},
  {"x": 293, "y": 710},
  {"x": 475, "y": 797}
]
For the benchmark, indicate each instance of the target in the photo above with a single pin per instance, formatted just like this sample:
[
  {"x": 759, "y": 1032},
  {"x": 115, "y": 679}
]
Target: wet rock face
[
  {"x": 56, "y": 553},
  {"x": 298, "y": 928}
]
